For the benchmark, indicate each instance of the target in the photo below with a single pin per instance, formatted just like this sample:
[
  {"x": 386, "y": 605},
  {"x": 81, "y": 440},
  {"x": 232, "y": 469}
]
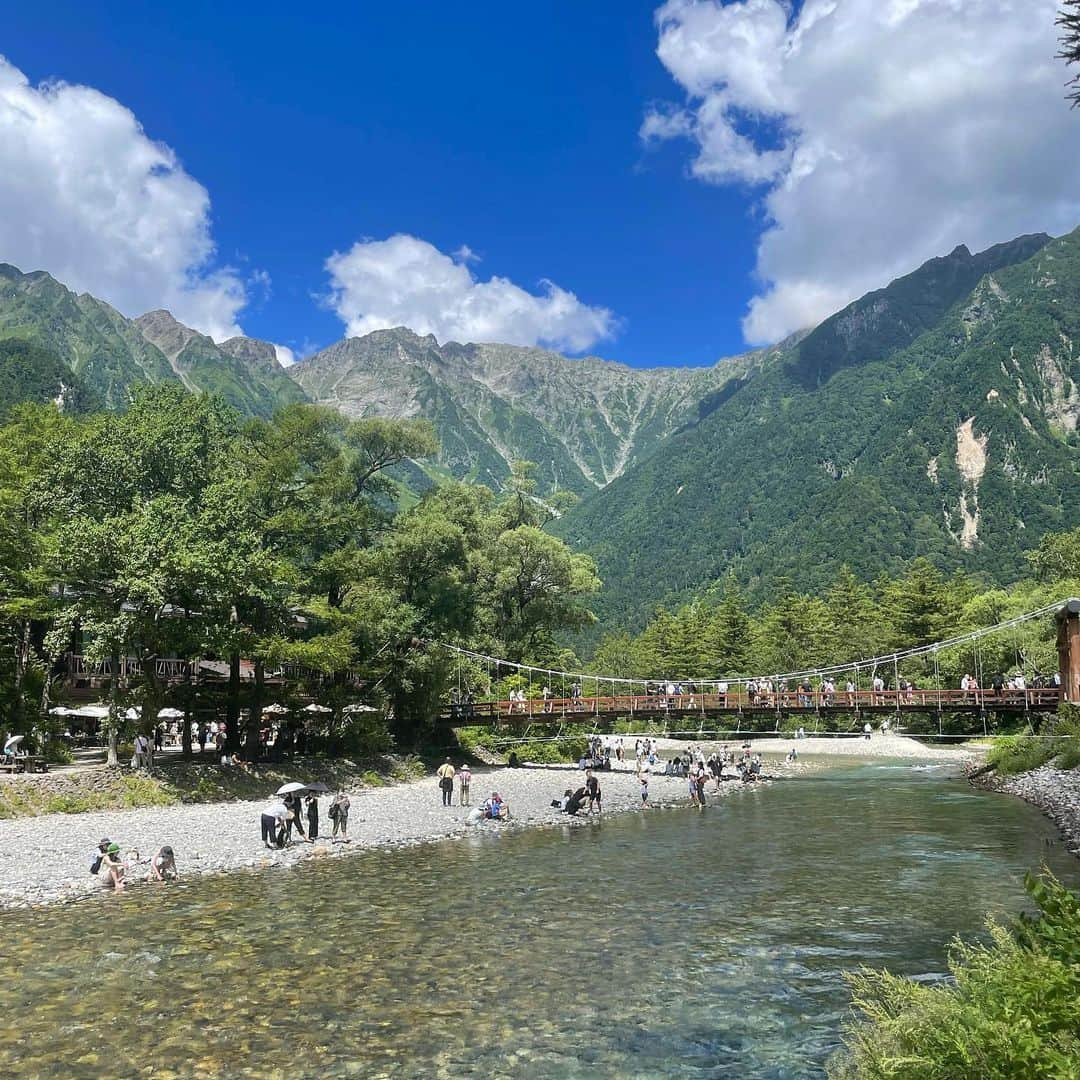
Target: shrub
[
  {"x": 1012, "y": 1009},
  {"x": 1020, "y": 753},
  {"x": 551, "y": 753}
]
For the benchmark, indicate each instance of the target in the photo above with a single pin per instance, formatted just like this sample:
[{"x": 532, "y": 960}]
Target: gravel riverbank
[
  {"x": 1056, "y": 792},
  {"x": 45, "y": 859}
]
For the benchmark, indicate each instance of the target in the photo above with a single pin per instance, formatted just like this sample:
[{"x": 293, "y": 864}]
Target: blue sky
[
  {"x": 516, "y": 131},
  {"x": 508, "y": 128}
]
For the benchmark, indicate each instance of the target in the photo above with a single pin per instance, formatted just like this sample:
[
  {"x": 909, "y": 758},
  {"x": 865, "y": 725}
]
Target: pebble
[
  {"x": 1056, "y": 792},
  {"x": 46, "y": 859}
]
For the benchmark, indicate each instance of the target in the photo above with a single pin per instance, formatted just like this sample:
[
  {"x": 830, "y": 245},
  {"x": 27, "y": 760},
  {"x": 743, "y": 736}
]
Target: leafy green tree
[
  {"x": 856, "y": 626},
  {"x": 129, "y": 550},
  {"x": 1069, "y": 21},
  {"x": 27, "y": 519},
  {"x": 1057, "y": 558},
  {"x": 534, "y": 582}
]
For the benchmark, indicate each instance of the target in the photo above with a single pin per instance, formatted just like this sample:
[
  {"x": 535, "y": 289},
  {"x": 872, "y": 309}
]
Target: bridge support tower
[{"x": 1068, "y": 641}]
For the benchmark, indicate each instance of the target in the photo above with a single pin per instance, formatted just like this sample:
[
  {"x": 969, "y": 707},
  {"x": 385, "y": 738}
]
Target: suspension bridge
[{"x": 872, "y": 686}]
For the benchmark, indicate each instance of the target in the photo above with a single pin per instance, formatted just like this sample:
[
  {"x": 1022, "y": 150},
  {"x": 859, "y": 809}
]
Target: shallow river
[{"x": 669, "y": 944}]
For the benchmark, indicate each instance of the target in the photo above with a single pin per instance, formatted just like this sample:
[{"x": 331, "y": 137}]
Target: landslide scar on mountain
[{"x": 971, "y": 464}]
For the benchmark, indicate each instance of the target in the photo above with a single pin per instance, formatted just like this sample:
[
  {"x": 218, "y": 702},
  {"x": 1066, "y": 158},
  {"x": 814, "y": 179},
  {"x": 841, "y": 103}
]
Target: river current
[{"x": 675, "y": 943}]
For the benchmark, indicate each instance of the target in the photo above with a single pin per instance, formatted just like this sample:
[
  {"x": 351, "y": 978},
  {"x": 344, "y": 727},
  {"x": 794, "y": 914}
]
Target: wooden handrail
[{"x": 786, "y": 700}]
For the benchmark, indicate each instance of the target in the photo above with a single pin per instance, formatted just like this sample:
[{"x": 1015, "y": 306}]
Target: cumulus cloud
[
  {"x": 88, "y": 196},
  {"x": 285, "y": 356},
  {"x": 405, "y": 281},
  {"x": 878, "y": 133}
]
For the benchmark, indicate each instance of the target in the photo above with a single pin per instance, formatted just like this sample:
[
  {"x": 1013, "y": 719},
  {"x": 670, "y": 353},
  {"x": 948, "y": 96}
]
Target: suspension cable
[{"x": 971, "y": 637}]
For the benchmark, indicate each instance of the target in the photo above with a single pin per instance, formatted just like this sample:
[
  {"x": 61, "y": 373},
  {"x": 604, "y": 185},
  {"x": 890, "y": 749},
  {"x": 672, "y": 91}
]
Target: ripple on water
[{"x": 668, "y": 945}]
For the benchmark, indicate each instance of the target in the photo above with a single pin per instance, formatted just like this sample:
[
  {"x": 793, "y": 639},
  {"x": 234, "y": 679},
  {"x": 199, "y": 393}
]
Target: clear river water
[{"x": 675, "y": 943}]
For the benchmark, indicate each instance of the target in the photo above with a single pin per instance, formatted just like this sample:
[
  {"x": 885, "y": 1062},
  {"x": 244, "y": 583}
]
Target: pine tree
[
  {"x": 727, "y": 636},
  {"x": 920, "y": 606}
]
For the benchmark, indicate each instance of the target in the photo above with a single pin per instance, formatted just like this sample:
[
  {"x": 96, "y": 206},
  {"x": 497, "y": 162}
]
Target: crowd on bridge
[{"x": 767, "y": 692}]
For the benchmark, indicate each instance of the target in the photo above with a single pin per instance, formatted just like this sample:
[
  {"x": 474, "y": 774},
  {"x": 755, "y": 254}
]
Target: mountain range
[
  {"x": 109, "y": 353},
  {"x": 936, "y": 416}
]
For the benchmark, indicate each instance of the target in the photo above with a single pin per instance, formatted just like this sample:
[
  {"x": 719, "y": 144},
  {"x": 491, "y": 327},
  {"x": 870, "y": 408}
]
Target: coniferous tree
[{"x": 1069, "y": 21}]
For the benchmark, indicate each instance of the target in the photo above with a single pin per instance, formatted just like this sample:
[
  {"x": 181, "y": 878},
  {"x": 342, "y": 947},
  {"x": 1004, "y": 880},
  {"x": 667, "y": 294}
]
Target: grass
[
  {"x": 189, "y": 782},
  {"x": 1022, "y": 753}
]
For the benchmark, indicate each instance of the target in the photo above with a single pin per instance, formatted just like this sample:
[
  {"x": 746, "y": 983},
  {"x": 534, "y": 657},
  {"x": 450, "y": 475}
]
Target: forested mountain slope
[
  {"x": 902, "y": 426},
  {"x": 110, "y": 353},
  {"x": 583, "y": 422},
  {"x": 30, "y": 373}
]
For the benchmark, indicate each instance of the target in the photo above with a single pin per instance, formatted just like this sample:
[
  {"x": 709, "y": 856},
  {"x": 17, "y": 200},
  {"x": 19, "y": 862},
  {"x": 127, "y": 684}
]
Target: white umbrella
[
  {"x": 317, "y": 708},
  {"x": 93, "y": 712},
  {"x": 133, "y": 713},
  {"x": 359, "y": 708},
  {"x": 275, "y": 709},
  {"x": 12, "y": 743},
  {"x": 61, "y": 710},
  {"x": 169, "y": 714},
  {"x": 286, "y": 788}
]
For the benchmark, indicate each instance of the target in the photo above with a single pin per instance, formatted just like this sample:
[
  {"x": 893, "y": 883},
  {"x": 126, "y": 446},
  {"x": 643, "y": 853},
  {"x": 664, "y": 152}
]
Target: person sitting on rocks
[
  {"x": 560, "y": 804},
  {"x": 495, "y": 808},
  {"x": 163, "y": 865},
  {"x": 112, "y": 868}
]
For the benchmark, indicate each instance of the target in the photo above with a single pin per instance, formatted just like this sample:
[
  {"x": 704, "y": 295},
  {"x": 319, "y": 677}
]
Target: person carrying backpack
[
  {"x": 99, "y": 854},
  {"x": 445, "y": 773},
  {"x": 339, "y": 815}
]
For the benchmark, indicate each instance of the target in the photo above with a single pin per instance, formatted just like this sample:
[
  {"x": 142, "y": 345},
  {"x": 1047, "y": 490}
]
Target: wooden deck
[{"x": 788, "y": 703}]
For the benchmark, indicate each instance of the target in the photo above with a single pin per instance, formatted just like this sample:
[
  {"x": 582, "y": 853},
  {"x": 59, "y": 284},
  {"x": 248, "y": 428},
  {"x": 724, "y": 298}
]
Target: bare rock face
[
  {"x": 161, "y": 329},
  {"x": 253, "y": 353},
  {"x": 584, "y": 422}
]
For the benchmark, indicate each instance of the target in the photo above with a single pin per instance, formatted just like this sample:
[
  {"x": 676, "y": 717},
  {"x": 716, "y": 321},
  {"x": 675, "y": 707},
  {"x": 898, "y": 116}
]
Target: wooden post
[{"x": 1068, "y": 637}]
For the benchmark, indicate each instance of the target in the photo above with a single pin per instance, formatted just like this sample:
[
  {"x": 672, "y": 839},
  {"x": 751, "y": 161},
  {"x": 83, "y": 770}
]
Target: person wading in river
[{"x": 445, "y": 774}]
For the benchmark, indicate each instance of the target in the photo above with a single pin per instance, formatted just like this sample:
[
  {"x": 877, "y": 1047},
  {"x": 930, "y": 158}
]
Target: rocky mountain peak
[
  {"x": 252, "y": 351},
  {"x": 160, "y": 328}
]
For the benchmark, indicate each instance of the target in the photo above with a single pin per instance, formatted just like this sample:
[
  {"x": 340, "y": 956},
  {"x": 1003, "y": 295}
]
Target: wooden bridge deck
[{"x": 687, "y": 706}]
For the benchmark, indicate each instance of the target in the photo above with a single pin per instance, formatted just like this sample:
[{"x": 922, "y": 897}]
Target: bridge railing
[{"x": 784, "y": 700}]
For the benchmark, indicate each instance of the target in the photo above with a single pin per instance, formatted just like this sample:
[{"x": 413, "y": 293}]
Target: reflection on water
[{"x": 670, "y": 944}]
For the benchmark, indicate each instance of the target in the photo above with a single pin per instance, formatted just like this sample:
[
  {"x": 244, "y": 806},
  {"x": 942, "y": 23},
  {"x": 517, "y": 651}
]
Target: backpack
[{"x": 95, "y": 864}]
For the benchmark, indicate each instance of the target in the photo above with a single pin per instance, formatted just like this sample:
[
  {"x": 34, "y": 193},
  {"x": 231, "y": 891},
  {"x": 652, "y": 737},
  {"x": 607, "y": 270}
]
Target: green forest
[{"x": 178, "y": 528}]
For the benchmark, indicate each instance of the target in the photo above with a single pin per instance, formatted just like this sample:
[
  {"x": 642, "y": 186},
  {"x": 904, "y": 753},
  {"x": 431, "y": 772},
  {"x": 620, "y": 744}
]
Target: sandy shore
[
  {"x": 46, "y": 859},
  {"x": 877, "y": 746}
]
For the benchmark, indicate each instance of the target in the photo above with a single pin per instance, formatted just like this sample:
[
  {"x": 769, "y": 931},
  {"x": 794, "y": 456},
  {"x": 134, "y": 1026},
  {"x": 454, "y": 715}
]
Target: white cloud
[
  {"x": 285, "y": 356},
  {"x": 879, "y": 132},
  {"x": 86, "y": 195},
  {"x": 405, "y": 281}
]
